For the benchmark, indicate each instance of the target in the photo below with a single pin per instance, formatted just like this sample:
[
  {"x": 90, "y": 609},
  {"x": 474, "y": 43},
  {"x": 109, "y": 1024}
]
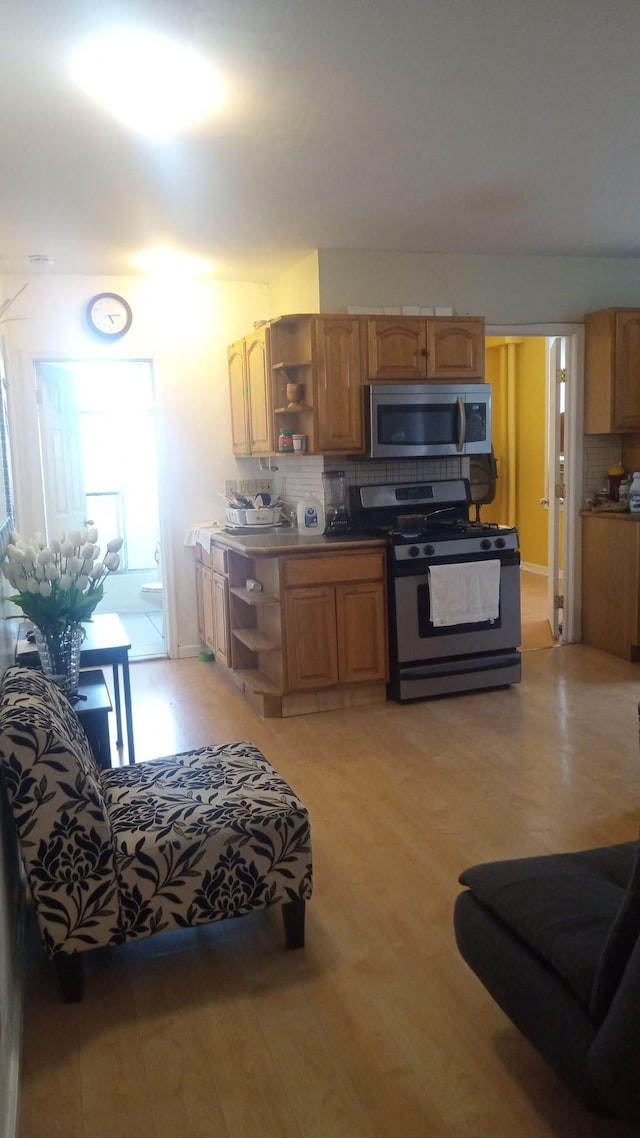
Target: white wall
[
  {"x": 185, "y": 330},
  {"x": 505, "y": 290}
]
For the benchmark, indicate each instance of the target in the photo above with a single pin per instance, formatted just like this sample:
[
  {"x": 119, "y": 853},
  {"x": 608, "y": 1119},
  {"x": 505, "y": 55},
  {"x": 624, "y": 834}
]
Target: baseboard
[{"x": 528, "y": 567}]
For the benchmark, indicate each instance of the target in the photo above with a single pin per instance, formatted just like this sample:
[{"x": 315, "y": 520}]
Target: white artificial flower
[
  {"x": 111, "y": 561},
  {"x": 97, "y": 570},
  {"x": 75, "y": 538},
  {"x": 33, "y": 586},
  {"x": 68, "y": 549},
  {"x": 74, "y": 566},
  {"x": 92, "y": 535},
  {"x": 83, "y": 582},
  {"x": 56, "y": 546},
  {"x": 88, "y": 552},
  {"x": 45, "y": 555},
  {"x": 65, "y": 582},
  {"x": 39, "y": 572},
  {"x": 45, "y": 589},
  {"x": 51, "y": 572},
  {"x": 29, "y": 558},
  {"x": 15, "y": 555},
  {"x": 115, "y": 544}
]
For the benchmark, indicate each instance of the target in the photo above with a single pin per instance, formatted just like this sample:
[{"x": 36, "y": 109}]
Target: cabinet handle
[{"x": 424, "y": 352}]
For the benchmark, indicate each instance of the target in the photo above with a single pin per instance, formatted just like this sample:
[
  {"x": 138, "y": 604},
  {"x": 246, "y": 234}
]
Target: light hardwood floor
[{"x": 377, "y": 1029}]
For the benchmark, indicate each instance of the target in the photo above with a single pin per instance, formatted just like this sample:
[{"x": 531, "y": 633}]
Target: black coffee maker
[{"x": 335, "y": 503}]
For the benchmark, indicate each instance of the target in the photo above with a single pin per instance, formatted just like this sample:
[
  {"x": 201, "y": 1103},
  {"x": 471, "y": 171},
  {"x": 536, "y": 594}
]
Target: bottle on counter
[
  {"x": 634, "y": 493},
  {"x": 623, "y": 491},
  {"x": 310, "y": 516}
]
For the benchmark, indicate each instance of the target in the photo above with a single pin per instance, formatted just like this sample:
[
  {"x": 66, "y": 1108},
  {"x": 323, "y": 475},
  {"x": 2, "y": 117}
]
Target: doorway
[
  {"x": 96, "y": 422},
  {"x": 536, "y": 429}
]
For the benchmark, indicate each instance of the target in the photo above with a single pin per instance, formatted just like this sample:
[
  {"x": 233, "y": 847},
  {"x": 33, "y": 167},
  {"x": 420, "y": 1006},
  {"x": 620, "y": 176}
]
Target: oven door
[{"x": 417, "y": 639}]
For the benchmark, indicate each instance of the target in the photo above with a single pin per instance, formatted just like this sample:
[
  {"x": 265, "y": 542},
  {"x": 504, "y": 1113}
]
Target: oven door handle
[{"x": 463, "y": 423}]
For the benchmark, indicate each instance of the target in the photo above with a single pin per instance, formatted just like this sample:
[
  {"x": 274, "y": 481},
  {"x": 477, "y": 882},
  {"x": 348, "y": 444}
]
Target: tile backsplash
[{"x": 296, "y": 475}]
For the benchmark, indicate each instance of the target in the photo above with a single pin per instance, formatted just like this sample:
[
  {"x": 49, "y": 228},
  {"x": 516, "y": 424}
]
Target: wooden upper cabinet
[
  {"x": 337, "y": 353},
  {"x": 440, "y": 348},
  {"x": 612, "y": 371},
  {"x": 258, "y": 383},
  {"x": 250, "y": 395},
  {"x": 397, "y": 348},
  {"x": 455, "y": 349},
  {"x": 238, "y": 397}
]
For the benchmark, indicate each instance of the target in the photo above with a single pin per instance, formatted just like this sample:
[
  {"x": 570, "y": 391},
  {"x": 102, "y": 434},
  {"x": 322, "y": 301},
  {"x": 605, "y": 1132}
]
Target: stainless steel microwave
[{"x": 425, "y": 420}]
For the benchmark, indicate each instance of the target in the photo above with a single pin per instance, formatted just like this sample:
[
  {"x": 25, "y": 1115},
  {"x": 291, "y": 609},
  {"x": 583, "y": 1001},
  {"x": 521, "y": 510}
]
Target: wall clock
[{"x": 109, "y": 315}]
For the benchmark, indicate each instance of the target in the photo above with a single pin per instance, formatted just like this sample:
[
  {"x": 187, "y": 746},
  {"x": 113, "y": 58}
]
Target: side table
[
  {"x": 106, "y": 644},
  {"x": 92, "y": 708}
]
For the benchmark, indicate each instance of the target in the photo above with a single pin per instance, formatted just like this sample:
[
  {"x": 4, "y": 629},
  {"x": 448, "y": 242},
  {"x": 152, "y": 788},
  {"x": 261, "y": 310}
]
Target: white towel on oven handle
[{"x": 464, "y": 593}]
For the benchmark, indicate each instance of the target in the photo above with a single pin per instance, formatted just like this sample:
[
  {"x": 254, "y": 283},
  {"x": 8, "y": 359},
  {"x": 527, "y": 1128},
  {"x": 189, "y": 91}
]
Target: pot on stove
[{"x": 411, "y": 523}]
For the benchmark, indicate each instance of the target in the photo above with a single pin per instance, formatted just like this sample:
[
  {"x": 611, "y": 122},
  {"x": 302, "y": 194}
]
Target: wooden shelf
[
  {"x": 292, "y": 410},
  {"x": 256, "y": 681},
  {"x": 254, "y": 598},
  {"x": 255, "y": 640},
  {"x": 293, "y": 363}
]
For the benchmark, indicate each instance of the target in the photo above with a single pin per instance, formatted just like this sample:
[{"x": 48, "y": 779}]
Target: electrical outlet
[{"x": 230, "y": 487}]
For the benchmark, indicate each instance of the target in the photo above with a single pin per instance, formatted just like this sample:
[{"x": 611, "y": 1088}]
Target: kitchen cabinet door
[
  {"x": 397, "y": 348},
  {"x": 338, "y": 361},
  {"x": 258, "y": 384},
  {"x": 455, "y": 349},
  {"x": 208, "y": 608},
  {"x": 311, "y": 641},
  {"x": 238, "y": 398},
  {"x": 220, "y": 606},
  {"x": 361, "y": 632},
  {"x": 612, "y": 371}
]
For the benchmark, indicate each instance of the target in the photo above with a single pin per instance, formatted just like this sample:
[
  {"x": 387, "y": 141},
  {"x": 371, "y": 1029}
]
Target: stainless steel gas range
[{"x": 454, "y": 588}]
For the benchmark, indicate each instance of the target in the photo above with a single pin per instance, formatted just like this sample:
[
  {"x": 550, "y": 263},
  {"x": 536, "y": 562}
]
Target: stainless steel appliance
[
  {"x": 427, "y": 526},
  {"x": 423, "y": 420}
]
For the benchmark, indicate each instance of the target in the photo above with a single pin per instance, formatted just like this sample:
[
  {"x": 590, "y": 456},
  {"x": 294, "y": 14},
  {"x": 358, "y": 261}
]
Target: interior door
[
  {"x": 555, "y": 493},
  {"x": 60, "y": 449}
]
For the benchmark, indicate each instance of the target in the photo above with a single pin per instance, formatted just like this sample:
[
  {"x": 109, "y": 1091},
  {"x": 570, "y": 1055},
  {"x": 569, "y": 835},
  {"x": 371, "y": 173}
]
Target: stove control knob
[
  {"x": 413, "y": 551},
  {"x": 500, "y": 543},
  {"x": 429, "y": 551},
  {"x": 485, "y": 543}
]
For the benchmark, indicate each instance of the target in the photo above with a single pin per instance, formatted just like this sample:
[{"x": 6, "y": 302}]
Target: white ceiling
[{"x": 460, "y": 126}]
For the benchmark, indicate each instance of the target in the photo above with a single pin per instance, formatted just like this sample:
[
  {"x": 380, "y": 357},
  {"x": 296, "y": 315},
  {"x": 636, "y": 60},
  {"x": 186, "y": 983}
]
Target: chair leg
[
  {"x": 69, "y": 969},
  {"x": 293, "y": 918}
]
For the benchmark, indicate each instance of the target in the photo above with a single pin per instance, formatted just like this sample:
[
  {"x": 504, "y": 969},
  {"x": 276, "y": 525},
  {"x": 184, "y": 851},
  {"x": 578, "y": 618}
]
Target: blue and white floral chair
[{"x": 116, "y": 855}]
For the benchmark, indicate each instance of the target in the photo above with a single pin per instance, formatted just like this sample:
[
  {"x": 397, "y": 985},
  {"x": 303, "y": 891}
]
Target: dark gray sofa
[{"x": 556, "y": 942}]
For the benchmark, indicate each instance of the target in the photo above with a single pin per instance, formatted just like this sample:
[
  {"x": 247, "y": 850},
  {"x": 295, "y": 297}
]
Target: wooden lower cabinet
[
  {"x": 313, "y": 637},
  {"x": 611, "y": 583},
  {"x": 212, "y": 601},
  {"x": 335, "y": 633}
]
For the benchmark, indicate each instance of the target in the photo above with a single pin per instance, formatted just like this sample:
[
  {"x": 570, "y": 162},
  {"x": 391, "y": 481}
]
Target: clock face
[{"x": 109, "y": 315}]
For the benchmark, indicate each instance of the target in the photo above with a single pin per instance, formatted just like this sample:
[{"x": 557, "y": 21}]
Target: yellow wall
[
  {"x": 297, "y": 289},
  {"x": 516, "y": 370}
]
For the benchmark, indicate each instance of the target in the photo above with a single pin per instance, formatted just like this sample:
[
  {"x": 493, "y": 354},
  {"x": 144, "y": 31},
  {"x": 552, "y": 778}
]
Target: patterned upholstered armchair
[{"x": 120, "y": 854}]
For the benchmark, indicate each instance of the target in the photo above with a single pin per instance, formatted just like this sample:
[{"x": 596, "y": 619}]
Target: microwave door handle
[{"x": 463, "y": 423}]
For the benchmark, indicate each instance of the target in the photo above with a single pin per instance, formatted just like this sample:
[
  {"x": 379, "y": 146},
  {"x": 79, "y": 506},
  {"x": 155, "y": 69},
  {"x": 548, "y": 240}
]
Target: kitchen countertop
[{"x": 289, "y": 540}]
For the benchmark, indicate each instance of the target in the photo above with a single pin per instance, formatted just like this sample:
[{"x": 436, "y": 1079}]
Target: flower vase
[{"x": 59, "y": 652}]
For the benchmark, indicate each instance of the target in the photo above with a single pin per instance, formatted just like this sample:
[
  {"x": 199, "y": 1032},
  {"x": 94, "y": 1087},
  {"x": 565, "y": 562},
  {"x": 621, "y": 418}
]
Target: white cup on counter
[{"x": 299, "y": 443}]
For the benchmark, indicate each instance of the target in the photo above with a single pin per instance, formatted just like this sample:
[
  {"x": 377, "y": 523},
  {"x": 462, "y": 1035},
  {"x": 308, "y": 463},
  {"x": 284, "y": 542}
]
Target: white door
[
  {"x": 61, "y": 450},
  {"x": 555, "y": 492}
]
